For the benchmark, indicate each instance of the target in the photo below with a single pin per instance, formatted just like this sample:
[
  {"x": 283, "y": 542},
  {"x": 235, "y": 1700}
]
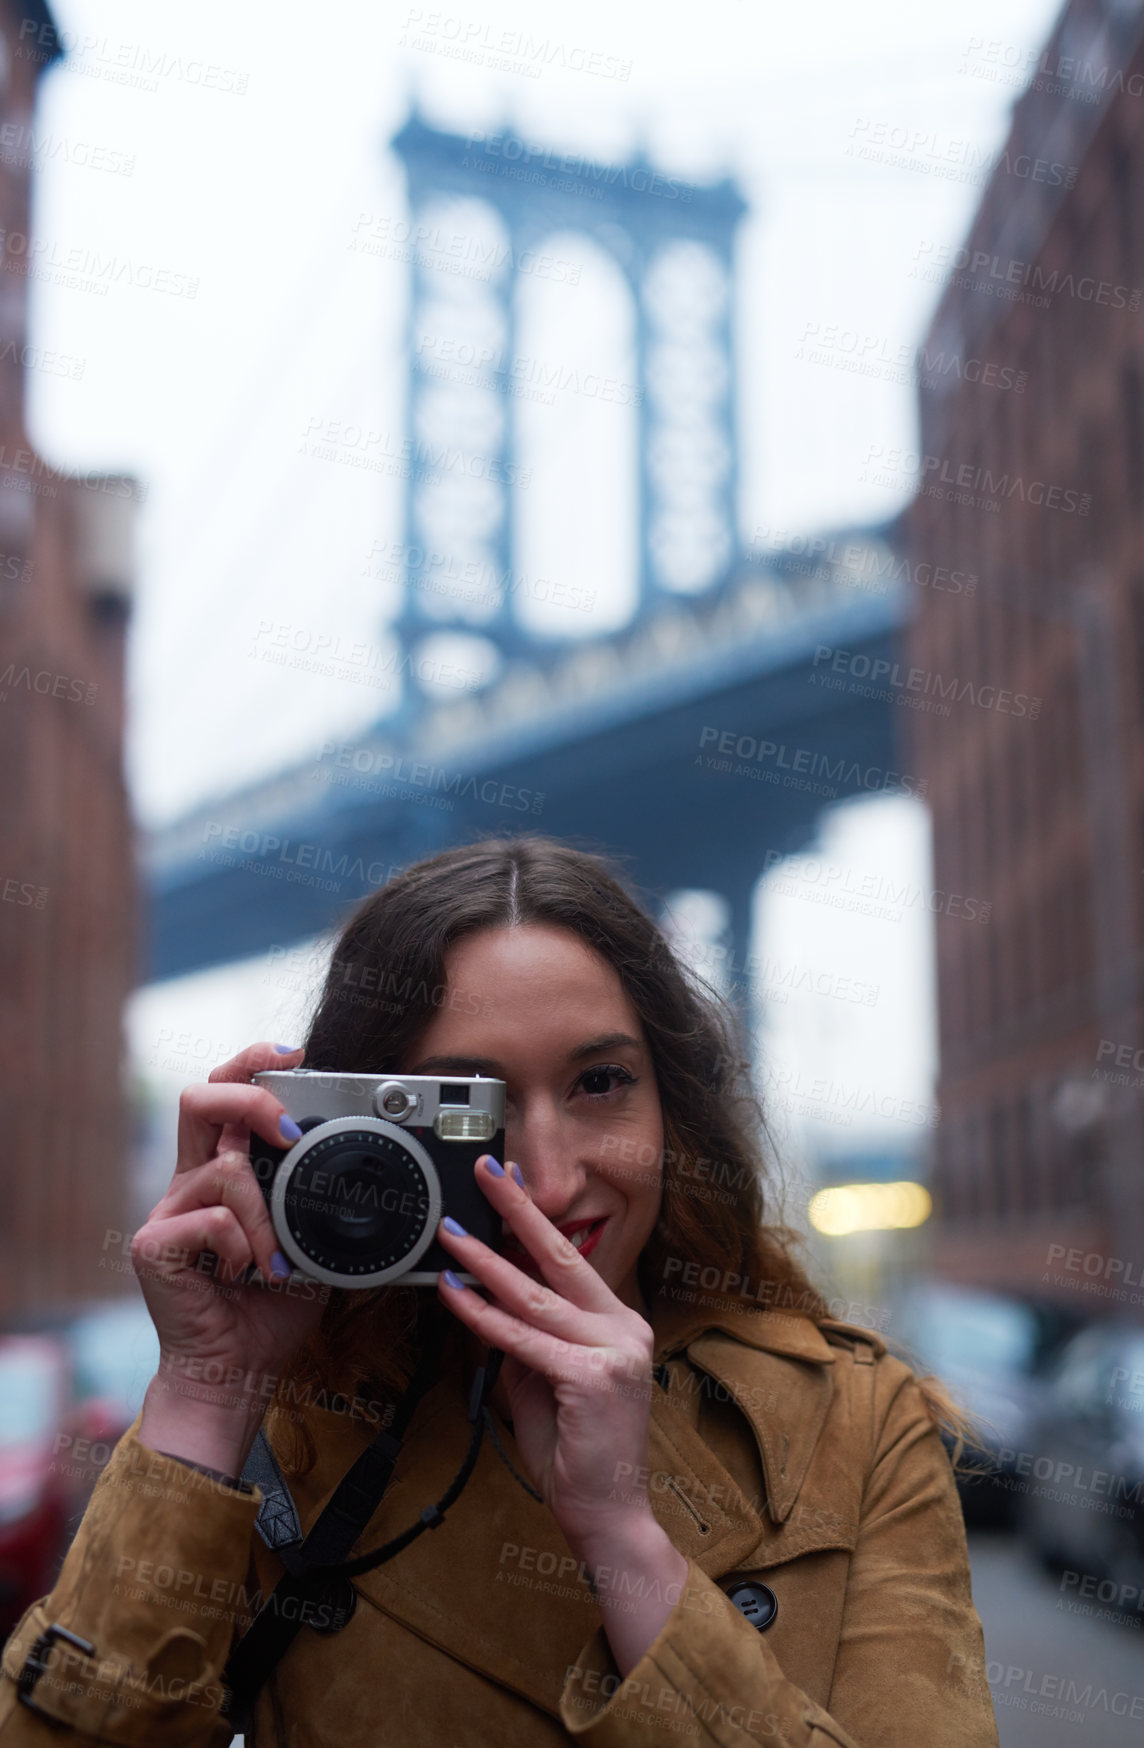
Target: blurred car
[
  {"x": 71, "y": 1383},
  {"x": 34, "y": 1503},
  {"x": 114, "y": 1351},
  {"x": 1081, "y": 1502},
  {"x": 993, "y": 1352}
]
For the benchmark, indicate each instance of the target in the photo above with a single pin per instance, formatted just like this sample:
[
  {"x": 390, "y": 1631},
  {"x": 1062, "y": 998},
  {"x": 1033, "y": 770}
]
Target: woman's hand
[
  {"x": 223, "y": 1341},
  {"x": 577, "y": 1372}
]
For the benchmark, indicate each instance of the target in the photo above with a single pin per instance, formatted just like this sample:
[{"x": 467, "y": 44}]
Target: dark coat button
[{"x": 756, "y": 1602}]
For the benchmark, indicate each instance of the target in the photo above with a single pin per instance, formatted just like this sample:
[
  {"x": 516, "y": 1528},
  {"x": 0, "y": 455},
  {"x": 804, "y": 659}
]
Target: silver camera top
[{"x": 462, "y": 1107}]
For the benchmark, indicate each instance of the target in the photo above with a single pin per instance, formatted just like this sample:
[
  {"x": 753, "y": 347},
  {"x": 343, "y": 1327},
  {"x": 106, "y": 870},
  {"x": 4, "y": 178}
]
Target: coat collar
[
  {"x": 677, "y": 1323},
  {"x": 786, "y": 1405}
]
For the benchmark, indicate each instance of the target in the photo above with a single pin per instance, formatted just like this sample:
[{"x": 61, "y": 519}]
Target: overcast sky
[{"x": 230, "y": 153}]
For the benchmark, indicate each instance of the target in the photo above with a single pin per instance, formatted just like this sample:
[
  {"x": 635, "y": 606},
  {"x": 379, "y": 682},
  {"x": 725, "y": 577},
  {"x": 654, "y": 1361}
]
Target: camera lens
[{"x": 358, "y": 1203}]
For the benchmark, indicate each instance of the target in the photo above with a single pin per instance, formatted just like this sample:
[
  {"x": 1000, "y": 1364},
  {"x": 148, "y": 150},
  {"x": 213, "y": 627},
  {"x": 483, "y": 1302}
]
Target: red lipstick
[{"x": 526, "y": 1262}]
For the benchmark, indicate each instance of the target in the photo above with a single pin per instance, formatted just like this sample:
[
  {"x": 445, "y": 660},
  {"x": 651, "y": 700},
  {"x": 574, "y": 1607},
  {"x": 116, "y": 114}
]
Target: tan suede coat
[{"x": 802, "y": 1456}]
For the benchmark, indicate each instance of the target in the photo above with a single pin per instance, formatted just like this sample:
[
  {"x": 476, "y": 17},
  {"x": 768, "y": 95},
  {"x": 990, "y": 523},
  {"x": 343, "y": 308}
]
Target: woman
[{"x": 677, "y": 1461}]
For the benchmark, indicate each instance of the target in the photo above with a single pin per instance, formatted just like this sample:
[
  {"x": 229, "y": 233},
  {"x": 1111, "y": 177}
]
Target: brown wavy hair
[{"x": 385, "y": 982}]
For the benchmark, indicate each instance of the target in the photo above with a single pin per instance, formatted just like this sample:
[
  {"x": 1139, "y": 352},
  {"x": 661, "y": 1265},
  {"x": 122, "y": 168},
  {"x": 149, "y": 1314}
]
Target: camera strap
[{"x": 315, "y": 1590}]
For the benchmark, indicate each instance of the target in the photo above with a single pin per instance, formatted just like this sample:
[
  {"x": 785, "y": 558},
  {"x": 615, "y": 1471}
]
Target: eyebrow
[{"x": 486, "y": 1065}]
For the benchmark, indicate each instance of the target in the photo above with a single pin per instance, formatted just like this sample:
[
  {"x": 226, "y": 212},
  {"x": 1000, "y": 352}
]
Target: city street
[
  {"x": 1057, "y": 1677},
  {"x": 593, "y": 590}
]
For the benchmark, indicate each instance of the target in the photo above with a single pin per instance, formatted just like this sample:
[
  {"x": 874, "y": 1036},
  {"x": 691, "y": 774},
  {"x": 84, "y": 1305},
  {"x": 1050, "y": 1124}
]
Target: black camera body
[{"x": 382, "y": 1158}]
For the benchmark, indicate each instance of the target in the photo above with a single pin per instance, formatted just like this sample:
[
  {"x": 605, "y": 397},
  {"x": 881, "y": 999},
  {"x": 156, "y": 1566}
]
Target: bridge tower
[{"x": 482, "y": 208}]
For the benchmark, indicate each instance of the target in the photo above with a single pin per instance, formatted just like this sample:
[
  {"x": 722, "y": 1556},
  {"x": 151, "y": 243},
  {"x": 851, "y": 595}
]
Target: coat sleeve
[
  {"x": 910, "y": 1664},
  {"x": 156, "y": 1579}
]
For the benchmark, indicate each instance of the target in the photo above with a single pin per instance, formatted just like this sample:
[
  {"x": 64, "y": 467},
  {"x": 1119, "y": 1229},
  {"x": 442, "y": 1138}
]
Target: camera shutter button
[{"x": 393, "y": 1100}]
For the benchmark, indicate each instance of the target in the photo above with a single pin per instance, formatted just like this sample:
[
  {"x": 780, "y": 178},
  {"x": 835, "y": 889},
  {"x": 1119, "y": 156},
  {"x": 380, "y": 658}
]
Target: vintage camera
[{"x": 382, "y": 1158}]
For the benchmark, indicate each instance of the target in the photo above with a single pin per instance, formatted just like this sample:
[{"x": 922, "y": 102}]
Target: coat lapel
[{"x": 777, "y": 1369}]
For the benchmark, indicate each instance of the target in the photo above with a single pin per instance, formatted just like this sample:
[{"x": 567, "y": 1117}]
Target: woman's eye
[{"x": 598, "y": 1082}]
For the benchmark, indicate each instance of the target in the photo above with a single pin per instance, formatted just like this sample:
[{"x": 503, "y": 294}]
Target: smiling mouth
[{"x": 584, "y": 1234}]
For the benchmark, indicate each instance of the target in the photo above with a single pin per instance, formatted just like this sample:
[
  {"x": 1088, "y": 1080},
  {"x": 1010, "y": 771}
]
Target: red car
[{"x": 35, "y": 1500}]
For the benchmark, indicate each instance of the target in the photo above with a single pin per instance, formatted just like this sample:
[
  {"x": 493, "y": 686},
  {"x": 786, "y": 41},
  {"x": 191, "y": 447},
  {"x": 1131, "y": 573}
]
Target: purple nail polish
[
  {"x": 495, "y": 1166},
  {"x": 454, "y": 1226},
  {"x": 286, "y": 1049},
  {"x": 516, "y": 1172},
  {"x": 452, "y": 1280},
  {"x": 289, "y": 1128},
  {"x": 279, "y": 1266}
]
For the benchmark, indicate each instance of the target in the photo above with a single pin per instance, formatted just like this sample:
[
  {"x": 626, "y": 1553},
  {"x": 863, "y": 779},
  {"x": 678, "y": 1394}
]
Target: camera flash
[{"x": 465, "y": 1125}]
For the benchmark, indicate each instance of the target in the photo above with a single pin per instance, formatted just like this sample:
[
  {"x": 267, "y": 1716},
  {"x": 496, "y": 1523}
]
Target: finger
[
  {"x": 167, "y": 1248},
  {"x": 518, "y": 1293},
  {"x": 227, "y": 1181},
  {"x": 561, "y": 1264},
  {"x": 216, "y": 1119},
  {"x": 249, "y": 1062},
  {"x": 614, "y": 1370},
  {"x": 253, "y": 1060},
  {"x": 557, "y": 1360}
]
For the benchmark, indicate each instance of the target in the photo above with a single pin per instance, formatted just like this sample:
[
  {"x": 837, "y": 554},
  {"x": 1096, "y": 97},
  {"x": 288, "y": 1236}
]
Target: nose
[{"x": 549, "y": 1160}]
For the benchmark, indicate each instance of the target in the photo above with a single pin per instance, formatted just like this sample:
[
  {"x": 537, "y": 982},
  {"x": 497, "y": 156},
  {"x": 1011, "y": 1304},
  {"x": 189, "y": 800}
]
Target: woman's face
[{"x": 582, "y": 1112}]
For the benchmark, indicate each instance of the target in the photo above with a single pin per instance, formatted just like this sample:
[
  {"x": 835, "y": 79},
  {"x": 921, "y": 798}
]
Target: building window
[
  {"x": 1026, "y": 1175},
  {"x": 1133, "y": 421},
  {"x": 1136, "y": 621},
  {"x": 949, "y": 1188},
  {"x": 1123, "y": 193},
  {"x": 998, "y": 1161}
]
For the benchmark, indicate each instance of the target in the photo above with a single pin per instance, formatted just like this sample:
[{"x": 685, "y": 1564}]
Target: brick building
[
  {"x": 1034, "y": 484},
  {"x": 67, "y": 901}
]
